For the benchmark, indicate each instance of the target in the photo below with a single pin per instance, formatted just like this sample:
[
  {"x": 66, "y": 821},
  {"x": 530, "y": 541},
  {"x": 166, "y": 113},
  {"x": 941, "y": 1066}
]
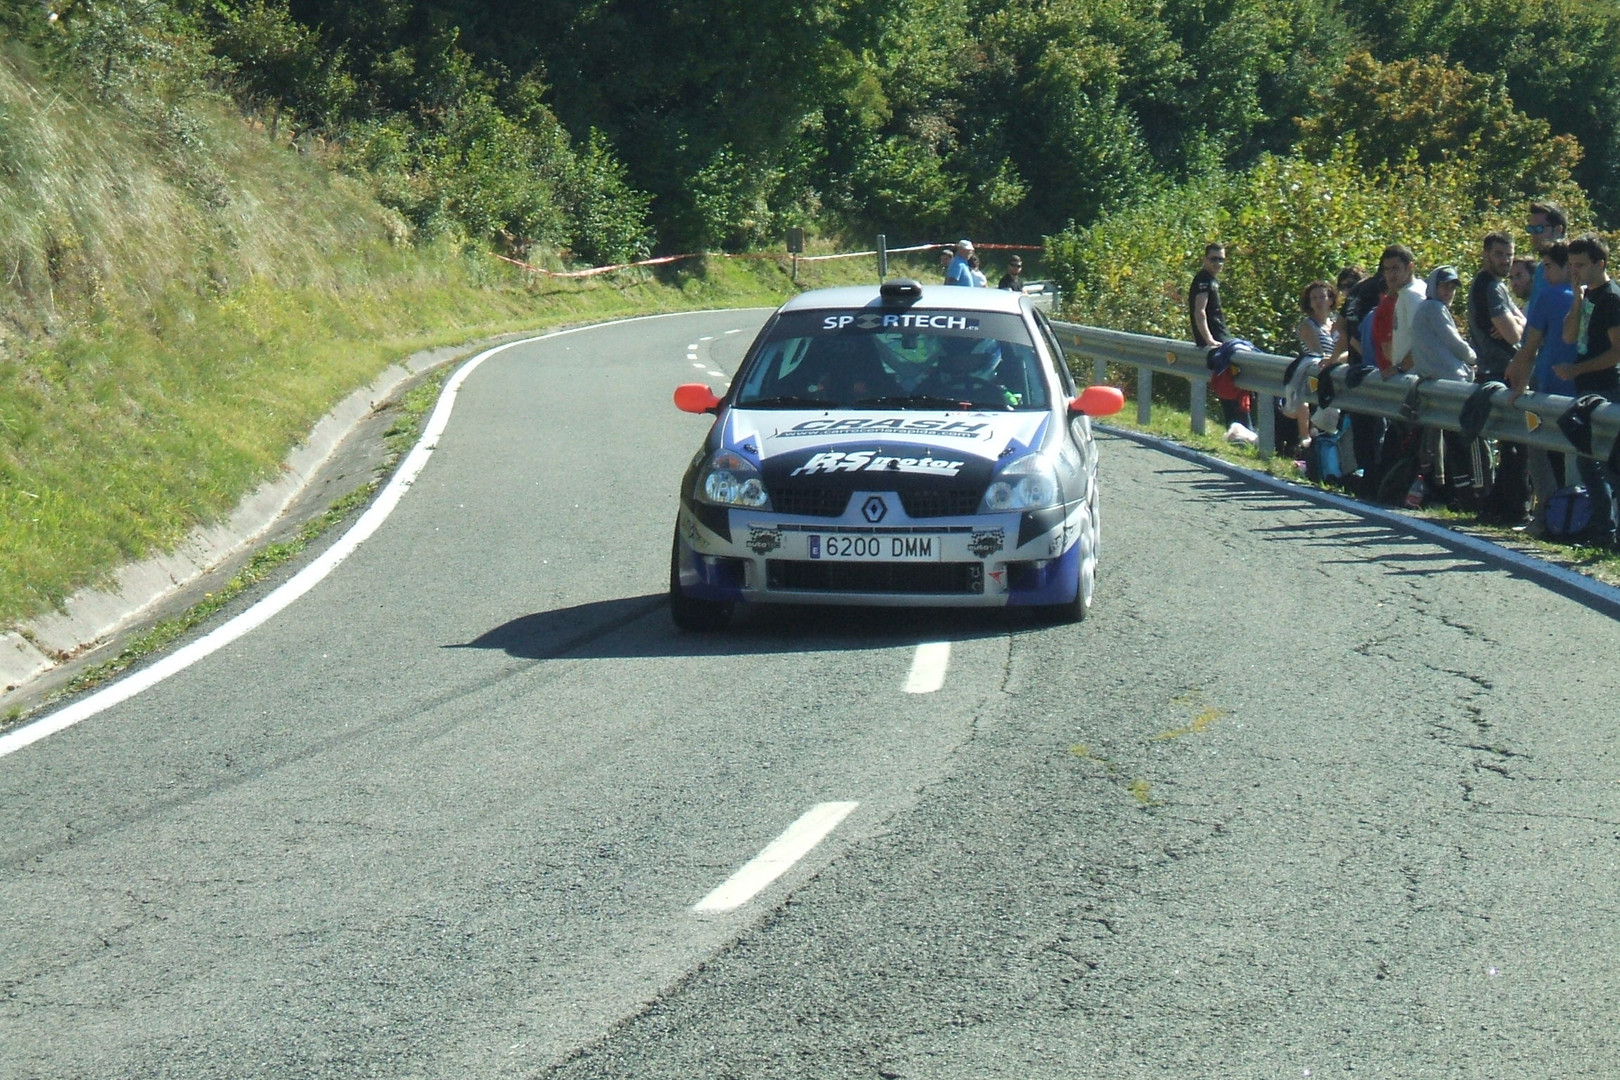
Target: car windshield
[{"x": 911, "y": 360}]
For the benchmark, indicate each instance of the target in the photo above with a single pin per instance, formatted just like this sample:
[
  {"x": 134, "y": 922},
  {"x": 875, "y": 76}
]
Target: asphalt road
[{"x": 1305, "y": 796}]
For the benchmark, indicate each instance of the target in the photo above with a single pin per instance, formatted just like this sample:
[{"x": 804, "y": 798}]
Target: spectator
[
  {"x": 1013, "y": 279},
  {"x": 1545, "y": 223},
  {"x": 1593, "y": 327},
  {"x": 1496, "y": 325},
  {"x": 979, "y": 278},
  {"x": 1316, "y": 338},
  {"x": 1204, "y": 299},
  {"x": 1544, "y": 347},
  {"x": 1521, "y": 277},
  {"x": 1349, "y": 278},
  {"x": 1439, "y": 352},
  {"x": 960, "y": 272},
  {"x": 1408, "y": 293},
  {"x": 1209, "y": 330},
  {"x": 1353, "y": 346},
  {"x": 1360, "y": 299},
  {"x": 1495, "y": 322},
  {"x": 1316, "y": 330},
  {"x": 947, "y": 255}
]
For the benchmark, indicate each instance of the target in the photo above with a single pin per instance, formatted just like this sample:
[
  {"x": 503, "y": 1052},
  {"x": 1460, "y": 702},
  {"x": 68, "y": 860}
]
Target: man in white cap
[{"x": 959, "y": 272}]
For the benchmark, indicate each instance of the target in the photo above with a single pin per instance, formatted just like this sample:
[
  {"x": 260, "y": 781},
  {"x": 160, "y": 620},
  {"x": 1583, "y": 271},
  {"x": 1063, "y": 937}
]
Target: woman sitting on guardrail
[{"x": 1317, "y": 336}]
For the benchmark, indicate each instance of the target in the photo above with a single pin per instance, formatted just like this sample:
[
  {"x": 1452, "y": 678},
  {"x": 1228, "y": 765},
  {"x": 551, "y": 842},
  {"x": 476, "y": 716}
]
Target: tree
[
  {"x": 1439, "y": 114},
  {"x": 1560, "y": 60}
]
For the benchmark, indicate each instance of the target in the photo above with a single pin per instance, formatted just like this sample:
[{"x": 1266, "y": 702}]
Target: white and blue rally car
[{"x": 902, "y": 445}]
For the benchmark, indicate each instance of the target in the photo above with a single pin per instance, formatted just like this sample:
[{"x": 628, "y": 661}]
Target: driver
[{"x": 967, "y": 372}]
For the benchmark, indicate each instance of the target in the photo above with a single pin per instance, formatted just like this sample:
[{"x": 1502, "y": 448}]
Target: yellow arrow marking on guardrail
[
  {"x": 1531, "y": 421},
  {"x": 1170, "y": 357}
]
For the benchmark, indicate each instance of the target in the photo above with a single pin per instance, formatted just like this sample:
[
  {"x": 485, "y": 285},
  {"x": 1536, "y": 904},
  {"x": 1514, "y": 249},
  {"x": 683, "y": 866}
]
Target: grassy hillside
[{"x": 182, "y": 300}]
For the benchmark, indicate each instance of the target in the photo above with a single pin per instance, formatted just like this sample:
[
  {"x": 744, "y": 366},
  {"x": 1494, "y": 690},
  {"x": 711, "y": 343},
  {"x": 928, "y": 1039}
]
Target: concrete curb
[{"x": 94, "y": 618}]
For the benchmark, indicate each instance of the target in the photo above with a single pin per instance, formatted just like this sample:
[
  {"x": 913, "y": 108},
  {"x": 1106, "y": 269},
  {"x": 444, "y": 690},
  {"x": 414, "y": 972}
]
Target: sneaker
[
  {"x": 1237, "y": 433},
  {"x": 1535, "y": 529},
  {"x": 1416, "y": 493}
]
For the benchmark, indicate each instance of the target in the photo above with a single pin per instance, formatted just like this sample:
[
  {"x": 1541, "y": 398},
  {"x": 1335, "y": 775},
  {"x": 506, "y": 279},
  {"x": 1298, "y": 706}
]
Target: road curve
[{"x": 1306, "y": 795}]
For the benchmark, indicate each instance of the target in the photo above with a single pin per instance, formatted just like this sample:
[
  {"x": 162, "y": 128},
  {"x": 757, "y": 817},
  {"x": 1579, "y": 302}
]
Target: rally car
[{"x": 901, "y": 445}]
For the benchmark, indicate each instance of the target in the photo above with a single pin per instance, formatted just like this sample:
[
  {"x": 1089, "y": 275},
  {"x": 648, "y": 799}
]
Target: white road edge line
[
  {"x": 778, "y": 856},
  {"x": 928, "y": 668},
  {"x": 300, "y": 583}
]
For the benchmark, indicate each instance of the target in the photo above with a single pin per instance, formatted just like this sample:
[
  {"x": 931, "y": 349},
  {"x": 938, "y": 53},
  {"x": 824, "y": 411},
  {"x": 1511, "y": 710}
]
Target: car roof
[{"x": 957, "y": 297}]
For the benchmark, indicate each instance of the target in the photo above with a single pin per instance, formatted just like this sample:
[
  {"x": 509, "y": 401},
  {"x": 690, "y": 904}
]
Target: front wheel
[{"x": 690, "y": 613}]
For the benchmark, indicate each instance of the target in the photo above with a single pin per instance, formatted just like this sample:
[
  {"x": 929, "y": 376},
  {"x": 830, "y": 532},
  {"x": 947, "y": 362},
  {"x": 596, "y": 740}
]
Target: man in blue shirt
[
  {"x": 1544, "y": 329},
  {"x": 1593, "y": 325},
  {"x": 959, "y": 272},
  {"x": 1546, "y": 223},
  {"x": 1532, "y": 369}
]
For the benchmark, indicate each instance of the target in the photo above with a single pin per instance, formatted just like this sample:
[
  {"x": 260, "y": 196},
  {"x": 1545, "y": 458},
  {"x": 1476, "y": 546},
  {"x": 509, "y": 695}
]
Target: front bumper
[{"x": 984, "y": 560}]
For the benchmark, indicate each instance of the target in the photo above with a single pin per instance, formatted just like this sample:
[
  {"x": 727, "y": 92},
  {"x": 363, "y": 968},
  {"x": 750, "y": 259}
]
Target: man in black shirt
[
  {"x": 1593, "y": 327},
  {"x": 1496, "y": 326},
  {"x": 1209, "y": 330},
  {"x": 1014, "y": 277},
  {"x": 1204, "y": 300}
]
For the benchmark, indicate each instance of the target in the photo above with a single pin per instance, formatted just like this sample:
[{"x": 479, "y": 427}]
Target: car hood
[
  {"x": 771, "y": 433},
  {"x": 859, "y": 450}
]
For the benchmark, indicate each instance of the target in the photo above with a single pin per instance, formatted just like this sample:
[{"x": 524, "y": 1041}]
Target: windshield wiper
[{"x": 785, "y": 402}]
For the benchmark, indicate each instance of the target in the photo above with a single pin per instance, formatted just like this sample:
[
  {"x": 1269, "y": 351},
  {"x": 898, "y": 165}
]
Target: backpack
[
  {"x": 1569, "y": 511},
  {"x": 1323, "y": 463}
]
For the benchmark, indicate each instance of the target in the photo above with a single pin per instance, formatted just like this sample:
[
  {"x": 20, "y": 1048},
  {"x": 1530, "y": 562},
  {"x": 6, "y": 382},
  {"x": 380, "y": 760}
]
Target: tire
[{"x": 690, "y": 613}]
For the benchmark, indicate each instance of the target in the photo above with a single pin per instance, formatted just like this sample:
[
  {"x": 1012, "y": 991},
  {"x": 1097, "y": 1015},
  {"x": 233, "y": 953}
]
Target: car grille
[
  {"x": 809, "y": 502},
  {"x": 821, "y": 502},
  {"x": 949, "y": 503},
  {"x": 875, "y": 577}
]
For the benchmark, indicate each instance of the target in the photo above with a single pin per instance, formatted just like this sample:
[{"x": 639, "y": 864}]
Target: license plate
[{"x": 857, "y": 548}]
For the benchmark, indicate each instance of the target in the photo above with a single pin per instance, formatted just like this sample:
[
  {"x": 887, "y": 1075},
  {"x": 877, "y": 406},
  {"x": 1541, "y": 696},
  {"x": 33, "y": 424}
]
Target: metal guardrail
[{"x": 1531, "y": 420}]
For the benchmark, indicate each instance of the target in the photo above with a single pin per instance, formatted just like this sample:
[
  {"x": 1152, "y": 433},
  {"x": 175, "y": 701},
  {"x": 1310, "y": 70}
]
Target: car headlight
[
  {"x": 1030, "y": 483},
  {"x": 729, "y": 479}
]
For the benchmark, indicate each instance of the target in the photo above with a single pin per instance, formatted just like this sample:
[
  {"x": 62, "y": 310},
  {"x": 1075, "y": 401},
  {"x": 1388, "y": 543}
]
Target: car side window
[{"x": 1060, "y": 360}]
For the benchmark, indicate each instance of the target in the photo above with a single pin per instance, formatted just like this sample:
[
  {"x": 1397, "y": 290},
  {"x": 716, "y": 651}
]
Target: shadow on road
[{"x": 639, "y": 626}]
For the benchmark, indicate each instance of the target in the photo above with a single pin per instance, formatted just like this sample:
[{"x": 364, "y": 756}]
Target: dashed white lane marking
[
  {"x": 777, "y": 857},
  {"x": 699, "y": 364},
  {"x": 736, "y": 331},
  {"x": 928, "y": 667},
  {"x": 300, "y": 583},
  {"x": 715, "y": 374}
]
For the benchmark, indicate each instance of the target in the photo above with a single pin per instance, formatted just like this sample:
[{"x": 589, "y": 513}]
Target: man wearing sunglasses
[
  {"x": 1204, "y": 299},
  {"x": 1545, "y": 224}
]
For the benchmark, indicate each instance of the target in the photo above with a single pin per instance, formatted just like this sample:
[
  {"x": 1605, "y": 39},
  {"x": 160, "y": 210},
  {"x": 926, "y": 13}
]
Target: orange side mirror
[
  {"x": 1099, "y": 401},
  {"x": 695, "y": 398}
]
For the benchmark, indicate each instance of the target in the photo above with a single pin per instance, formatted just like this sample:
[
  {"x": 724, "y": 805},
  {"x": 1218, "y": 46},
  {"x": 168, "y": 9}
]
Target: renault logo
[{"x": 874, "y": 509}]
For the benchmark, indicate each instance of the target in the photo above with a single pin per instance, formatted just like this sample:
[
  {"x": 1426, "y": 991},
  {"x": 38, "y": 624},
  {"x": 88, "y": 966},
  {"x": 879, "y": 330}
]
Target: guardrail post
[
  {"x": 1200, "y": 399},
  {"x": 1266, "y": 423},
  {"x": 1144, "y": 395},
  {"x": 1100, "y": 372}
]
